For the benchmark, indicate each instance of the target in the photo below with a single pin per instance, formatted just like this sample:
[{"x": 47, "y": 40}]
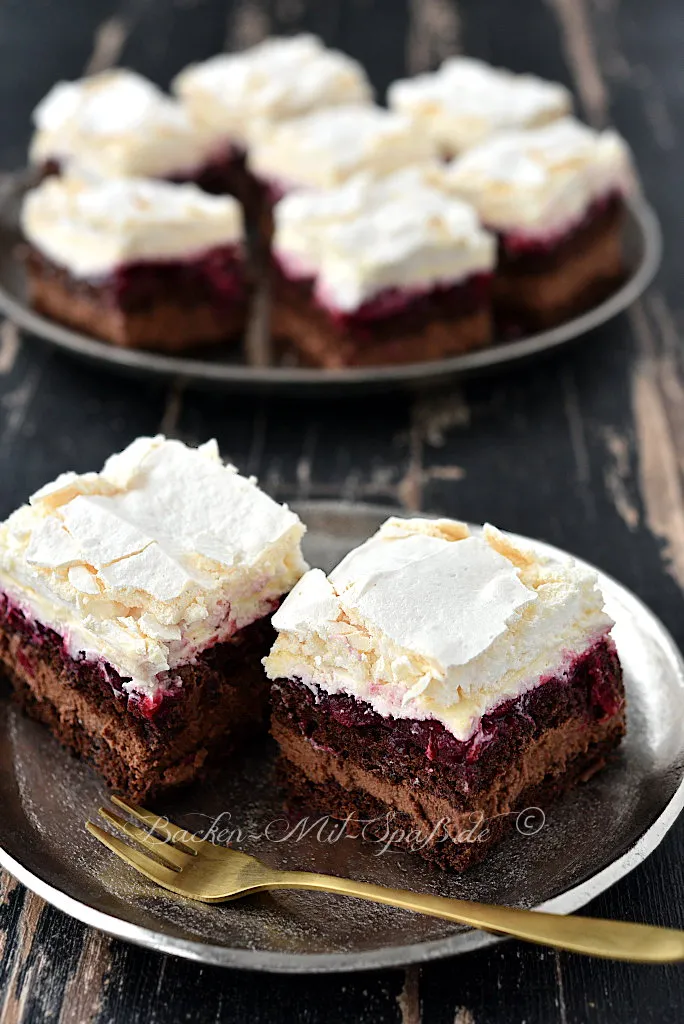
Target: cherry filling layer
[
  {"x": 547, "y": 249},
  {"x": 589, "y": 691},
  {"x": 215, "y": 278},
  {"x": 52, "y": 649},
  {"x": 392, "y": 305},
  {"x": 217, "y": 660}
]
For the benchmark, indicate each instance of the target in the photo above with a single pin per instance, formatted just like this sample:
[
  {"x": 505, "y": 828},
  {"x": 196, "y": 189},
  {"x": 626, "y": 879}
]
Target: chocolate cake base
[
  {"x": 412, "y": 784},
  {"x": 534, "y": 290},
  {"x": 442, "y": 323},
  {"x": 172, "y": 318},
  {"x": 140, "y": 747}
]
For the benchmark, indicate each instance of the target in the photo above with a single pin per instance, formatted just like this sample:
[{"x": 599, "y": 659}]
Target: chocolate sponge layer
[{"x": 140, "y": 747}]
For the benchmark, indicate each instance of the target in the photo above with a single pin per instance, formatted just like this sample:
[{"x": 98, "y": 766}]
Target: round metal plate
[
  {"x": 226, "y": 369},
  {"x": 588, "y": 841}
]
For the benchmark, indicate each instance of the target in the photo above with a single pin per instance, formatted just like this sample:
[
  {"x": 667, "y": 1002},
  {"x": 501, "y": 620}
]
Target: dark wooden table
[{"x": 585, "y": 450}]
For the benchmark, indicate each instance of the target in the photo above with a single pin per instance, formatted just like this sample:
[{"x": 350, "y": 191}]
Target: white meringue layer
[
  {"x": 117, "y": 124},
  {"x": 466, "y": 101},
  {"x": 426, "y": 621},
  {"x": 163, "y": 553},
  {"x": 92, "y": 227},
  {"x": 324, "y": 149},
  {"x": 275, "y": 80},
  {"x": 541, "y": 181}
]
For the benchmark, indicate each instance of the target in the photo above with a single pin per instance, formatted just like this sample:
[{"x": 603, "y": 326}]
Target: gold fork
[{"x": 200, "y": 870}]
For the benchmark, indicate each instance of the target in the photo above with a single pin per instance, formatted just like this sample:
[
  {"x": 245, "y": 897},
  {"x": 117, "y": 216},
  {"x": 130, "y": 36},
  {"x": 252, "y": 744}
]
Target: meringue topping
[
  {"x": 163, "y": 553},
  {"x": 426, "y": 620}
]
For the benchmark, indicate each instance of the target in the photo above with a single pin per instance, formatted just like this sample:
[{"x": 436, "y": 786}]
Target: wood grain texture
[{"x": 585, "y": 450}]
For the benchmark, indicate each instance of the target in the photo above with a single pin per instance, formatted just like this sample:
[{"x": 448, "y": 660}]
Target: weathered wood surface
[{"x": 585, "y": 450}]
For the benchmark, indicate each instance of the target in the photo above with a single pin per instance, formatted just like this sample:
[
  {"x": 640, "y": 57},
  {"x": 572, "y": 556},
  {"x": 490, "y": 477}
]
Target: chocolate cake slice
[
  {"x": 554, "y": 196},
  {"x": 439, "y": 683},
  {"x": 142, "y": 264},
  {"x": 135, "y": 610},
  {"x": 381, "y": 272}
]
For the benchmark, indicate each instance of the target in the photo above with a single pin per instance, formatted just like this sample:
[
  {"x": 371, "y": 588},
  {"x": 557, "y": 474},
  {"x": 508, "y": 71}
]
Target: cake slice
[
  {"x": 380, "y": 271},
  {"x": 135, "y": 609},
  {"x": 466, "y": 101},
  {"x": 117, "y": 124},
  {"x": 230, "y": 95},
  {"x": 437, "y": 683},
  {"x": 555, "y": 197},
  {"x": 142, "y": 264},
  {"x": 324, "y": 149}
]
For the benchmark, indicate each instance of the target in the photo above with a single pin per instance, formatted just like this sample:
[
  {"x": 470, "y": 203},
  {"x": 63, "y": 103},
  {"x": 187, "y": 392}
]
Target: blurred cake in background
[
  {"x": 116, "y": 125},
  {"x": 327, "y": 148},
  {"x": 555, "y": 198},
  {"x": 364, "y": 272},
  {"x": 142, "y": 264},
  {"x": 466, "y": 101},
  {"x": 388, "y": 270},
  {"x": 233, "y": 95}
]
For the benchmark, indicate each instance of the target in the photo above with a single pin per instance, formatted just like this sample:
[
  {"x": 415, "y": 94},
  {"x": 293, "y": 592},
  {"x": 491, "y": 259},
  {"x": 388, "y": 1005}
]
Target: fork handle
[{"x": 618, "y": 940}]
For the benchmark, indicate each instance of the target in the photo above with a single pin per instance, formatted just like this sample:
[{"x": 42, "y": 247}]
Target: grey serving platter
[
  {"x": 247, "y": 367},
  {"x": 559, "y": 862}
]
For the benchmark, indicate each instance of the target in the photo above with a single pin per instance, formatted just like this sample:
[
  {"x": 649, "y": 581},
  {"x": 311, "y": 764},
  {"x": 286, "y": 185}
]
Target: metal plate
[
  {"x": 226, "y": 369},
  {"x": 589, "y": 840}
]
